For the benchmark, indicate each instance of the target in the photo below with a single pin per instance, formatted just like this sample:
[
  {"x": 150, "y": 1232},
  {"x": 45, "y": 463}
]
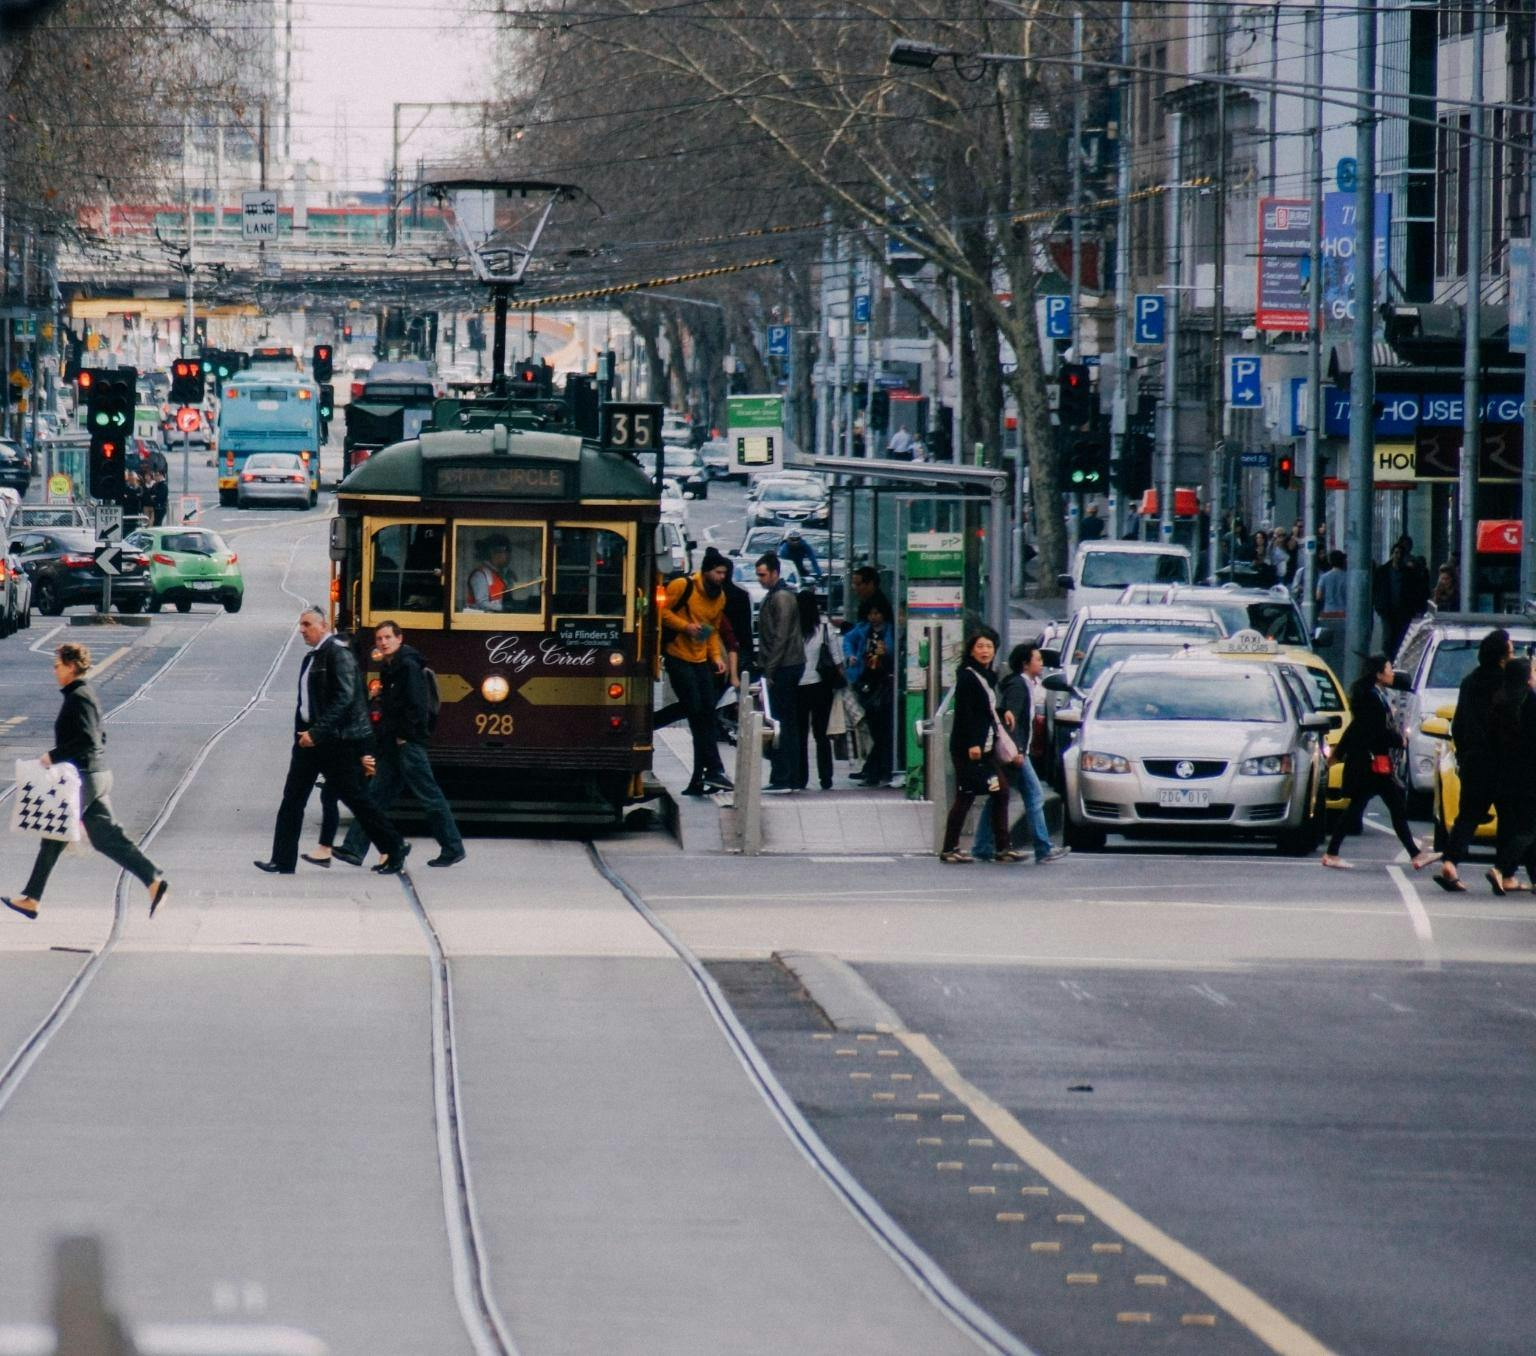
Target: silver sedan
[
  {"x": 1205, "y": 747},
  {"x": 273, "y": 478}
]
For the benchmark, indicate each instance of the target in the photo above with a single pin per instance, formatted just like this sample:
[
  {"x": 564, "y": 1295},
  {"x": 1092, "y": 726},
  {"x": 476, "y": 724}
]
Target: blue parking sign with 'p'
[
  {"x": 1245, "y": 391},
  {"x": 1149, "y": 318},
  {"x": 778, "y": 341},
  {"x": 1058, "y": 317}
]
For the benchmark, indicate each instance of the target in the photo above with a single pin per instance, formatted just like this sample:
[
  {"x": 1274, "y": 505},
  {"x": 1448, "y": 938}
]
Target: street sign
[
  {"x": 60, "y": 488},
  {"x": 258, "y": 215},
  {"x": 778, "y": 341},
  {"x": 861, "y": 309},
  {"x": 755, "y": 432},
  {"x": 1346, "y": 174},
  {"x": 188, "y": 419},
  {"x": 109, "y": 558},
  {"x": 109, "y": 521},
  {"x": 191, "y": 507},
  {"x": 1255, "y": 460},
  {"x": 1150, "y": 317},
  {"x": 1058, "y": 317},
  {"x": 1244, "y": 389}
]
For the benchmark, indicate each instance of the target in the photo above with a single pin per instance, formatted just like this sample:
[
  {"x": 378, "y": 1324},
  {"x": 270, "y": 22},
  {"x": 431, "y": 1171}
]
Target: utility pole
[
  {"x": 1310, "y": 459},
  {"x": 849, "y": 374},
  {"x": 1221, "y": 415},
  {"x": 1119, "y": 417},
  {"x": 1472, "y": 328},
  {"x": 1362, "y": 378},
  {"x": 1169, "y": 413},
  {"x": 1077, "y": 186}
]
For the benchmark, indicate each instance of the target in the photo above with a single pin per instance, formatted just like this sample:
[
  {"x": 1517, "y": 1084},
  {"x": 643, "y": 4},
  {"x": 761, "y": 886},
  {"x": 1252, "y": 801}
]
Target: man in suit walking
[{"x": 331, "y": 730}]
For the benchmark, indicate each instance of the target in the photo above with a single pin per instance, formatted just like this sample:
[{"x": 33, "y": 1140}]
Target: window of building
[
  {"x": 405, "y": 571},
  {"x": 498, "y": 576},
  {"x": 591, "y": 565}
]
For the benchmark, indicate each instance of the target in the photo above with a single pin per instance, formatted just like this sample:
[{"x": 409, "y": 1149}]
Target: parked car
[
  {"x": 61, "y": 565},
  {"x": 1272, "y": 612},
  {"x": 15, "y": 468},
  {"x": 1437, "y": 652},
  {"x": 681, "y": 463},
  {"x": 792, "y": 501},
  {"x": 274, "y": 478},
  {"x": 1102, "y": 570},
  {"x": 674, "y": 548},
  {"x": 15, "y": 588},
  {"x": 716, "y": 455},
  {"x": 189, "y": 564}
]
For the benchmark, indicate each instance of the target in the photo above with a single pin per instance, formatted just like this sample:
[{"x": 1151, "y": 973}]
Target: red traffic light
[
  {"x": 87, "y": 380},
  {"x": 323, "y": 352},
  {"x": 108, "y": 450}
]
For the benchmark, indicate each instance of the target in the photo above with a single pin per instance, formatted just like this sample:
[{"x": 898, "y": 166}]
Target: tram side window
[
  {"x": 589, "y": 572},
  {"x": 407, "y": 568},
  {"x": 499, "y": 569}
]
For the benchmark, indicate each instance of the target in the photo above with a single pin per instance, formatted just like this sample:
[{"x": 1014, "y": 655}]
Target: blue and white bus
[{"x": 267, "y": 411}]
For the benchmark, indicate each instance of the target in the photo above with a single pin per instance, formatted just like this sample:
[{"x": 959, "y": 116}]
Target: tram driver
[{"x": 492, "y": 586}]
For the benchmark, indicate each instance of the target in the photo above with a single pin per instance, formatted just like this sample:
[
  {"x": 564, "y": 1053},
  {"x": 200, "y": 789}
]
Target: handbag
[
  {"x": 828, "y": 670},
  {"x": 1381, "y": 764},
  {"x": 1004, "y": 750},
  {"x": 47, "y": 801}
]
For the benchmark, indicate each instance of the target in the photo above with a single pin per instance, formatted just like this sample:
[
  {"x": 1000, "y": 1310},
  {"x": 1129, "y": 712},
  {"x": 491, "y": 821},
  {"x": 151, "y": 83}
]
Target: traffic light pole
[{"x": 1169, "y": 413}]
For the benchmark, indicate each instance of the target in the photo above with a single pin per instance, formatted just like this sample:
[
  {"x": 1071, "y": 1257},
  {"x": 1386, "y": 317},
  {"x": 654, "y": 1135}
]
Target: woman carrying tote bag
[
  {"x": 973, "y": 739},
  {"x": 78, "y": 739},
  {"x": 819, "y": 686}
]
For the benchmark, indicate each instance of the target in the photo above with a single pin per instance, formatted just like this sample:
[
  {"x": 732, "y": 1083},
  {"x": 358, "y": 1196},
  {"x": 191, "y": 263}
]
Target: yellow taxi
[
  {"x": 1447, "y": 780},
  {"x": 1310, "y": 680}
]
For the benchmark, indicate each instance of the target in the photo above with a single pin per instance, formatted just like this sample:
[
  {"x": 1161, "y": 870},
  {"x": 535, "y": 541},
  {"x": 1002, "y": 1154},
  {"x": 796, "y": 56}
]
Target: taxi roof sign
[{"x": 1245, "y": 642}]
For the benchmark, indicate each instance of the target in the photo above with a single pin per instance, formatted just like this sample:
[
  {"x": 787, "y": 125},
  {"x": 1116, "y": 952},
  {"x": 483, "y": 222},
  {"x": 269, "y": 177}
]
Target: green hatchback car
[{"x": 188, "y": 564}]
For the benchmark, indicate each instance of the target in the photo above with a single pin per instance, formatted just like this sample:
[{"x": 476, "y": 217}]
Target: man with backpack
[
  {"x": 694, "y": 657},
  {"x": 408, "y": 708}
]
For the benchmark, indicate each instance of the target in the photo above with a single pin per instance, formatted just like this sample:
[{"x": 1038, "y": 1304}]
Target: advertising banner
[{"x": 1286, "y": 229}]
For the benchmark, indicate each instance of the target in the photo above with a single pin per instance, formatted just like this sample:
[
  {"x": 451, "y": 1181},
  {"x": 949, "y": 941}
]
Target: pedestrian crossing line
[
  {"x": 1280, "y": 1333},
  {"x": 101, "y": 666},
  {"x": 14, "y": 720}
]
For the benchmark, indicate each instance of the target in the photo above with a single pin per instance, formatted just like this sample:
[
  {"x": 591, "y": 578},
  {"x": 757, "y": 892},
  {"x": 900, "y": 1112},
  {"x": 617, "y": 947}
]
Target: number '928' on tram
[{"x": 519, "y": 559}]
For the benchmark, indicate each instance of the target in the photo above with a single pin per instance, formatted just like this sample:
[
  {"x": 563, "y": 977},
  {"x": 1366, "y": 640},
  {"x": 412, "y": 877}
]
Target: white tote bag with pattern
[{"x": 47, "y": 801}]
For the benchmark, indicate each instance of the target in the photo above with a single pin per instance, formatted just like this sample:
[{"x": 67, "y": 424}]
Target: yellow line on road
[
  {"x": 96, "y": 669},
  {"x": 1266, "y": 1323}
]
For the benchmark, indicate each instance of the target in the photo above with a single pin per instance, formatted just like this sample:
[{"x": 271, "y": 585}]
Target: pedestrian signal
[
  {"x": 1285, "y": 469},
  {"x": 1076, "y": 407}
]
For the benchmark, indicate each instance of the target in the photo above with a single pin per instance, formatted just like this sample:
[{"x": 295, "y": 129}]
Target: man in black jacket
[
  {"x": 405, "y": 726},
  {"x": 1476, "y": 757},
  {"x": 331, "y": 730}
]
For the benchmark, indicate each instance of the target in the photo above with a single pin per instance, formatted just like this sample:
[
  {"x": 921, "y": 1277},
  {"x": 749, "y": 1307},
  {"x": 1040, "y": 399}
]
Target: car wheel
[
  {"x": 1083, "y": 837},
  {"x": 26, "y": 617},
  {"x": 7, "y": 623},
  {"x": 130, "y": 606},
  {"x": 232, "y": 604},
  {"x": 226, "y": 499},
  {"x": 313, "y": 500},
  {"x": 48, "y": 600},
  {"x": 155, "y": 603},
  {"x": 183, "y": 604}
]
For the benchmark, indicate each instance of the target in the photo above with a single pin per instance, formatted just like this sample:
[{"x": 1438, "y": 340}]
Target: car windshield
[
  {"x": 1159, "y": 695},
  {"x": 1109, "y": 652},
  {"x": 746, "y": 573},
  {"x": 193, "y": 543},
  {"x": 1454, "y": 660},
  {"x": 1322, "y": 692},
  {"x": 783, "y": 494},
  {"x": 1116, "y": 569},
  {"x": 1276, "y": 620},
  {"x": 1197, "y": 632}
]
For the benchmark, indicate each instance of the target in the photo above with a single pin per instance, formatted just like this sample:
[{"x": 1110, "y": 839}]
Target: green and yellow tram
[{"x": 519, "y": 558}]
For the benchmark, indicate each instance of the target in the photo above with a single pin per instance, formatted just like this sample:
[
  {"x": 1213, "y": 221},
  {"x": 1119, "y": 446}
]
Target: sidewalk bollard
[{"x": 747, "y": 833}]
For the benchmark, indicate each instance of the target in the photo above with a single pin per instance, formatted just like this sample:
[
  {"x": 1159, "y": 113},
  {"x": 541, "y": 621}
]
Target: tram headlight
[
  {"x": 615, "y": 658},
  {"x": 495, "y": 688}
]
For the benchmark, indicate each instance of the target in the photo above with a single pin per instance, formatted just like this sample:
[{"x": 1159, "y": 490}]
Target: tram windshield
[
  {"x": 498, "y": 568},
  {"x": 589, "y": 572}
]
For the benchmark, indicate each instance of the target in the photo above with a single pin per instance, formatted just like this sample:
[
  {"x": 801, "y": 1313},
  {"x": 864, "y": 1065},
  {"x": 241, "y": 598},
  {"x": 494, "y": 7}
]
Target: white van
[{"x": 1102, "y": 570}]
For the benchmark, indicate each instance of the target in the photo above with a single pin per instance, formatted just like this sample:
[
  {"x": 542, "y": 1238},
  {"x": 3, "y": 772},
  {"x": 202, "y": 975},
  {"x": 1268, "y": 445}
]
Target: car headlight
[
  {"x": 1274, "y": 765},
  {"x": 1102, "y": 762}
]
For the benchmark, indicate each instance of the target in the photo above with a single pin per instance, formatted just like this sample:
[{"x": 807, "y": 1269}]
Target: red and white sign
[
  {"x": 1499, "y": 537},
  {"x": 188, "y": 420}
]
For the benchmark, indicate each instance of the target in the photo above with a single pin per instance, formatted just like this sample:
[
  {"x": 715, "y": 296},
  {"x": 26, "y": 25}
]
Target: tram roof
[{"x": 407, "y": 468}]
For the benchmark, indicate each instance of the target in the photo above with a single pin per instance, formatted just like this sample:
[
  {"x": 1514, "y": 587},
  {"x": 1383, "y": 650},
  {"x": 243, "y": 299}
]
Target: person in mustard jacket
[{"x": 694, "y": 658}]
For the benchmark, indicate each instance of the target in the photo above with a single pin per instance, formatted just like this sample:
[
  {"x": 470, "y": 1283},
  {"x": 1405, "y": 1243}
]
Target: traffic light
[
  {"x": 110, "y": 399},
  {"x": 1087, "y": 472},
  {"x": 1076, "y": 407},
  {"x": 219, "y": 365},
  {"x": 187, "y": 382},
  {"x": 327, "y": 401},
  {"x": 1285, "y": 468},
  {"x": 346, "y": 331},
  {"x": 107, "y": 481},
  {"x": 321, "y": 362}
]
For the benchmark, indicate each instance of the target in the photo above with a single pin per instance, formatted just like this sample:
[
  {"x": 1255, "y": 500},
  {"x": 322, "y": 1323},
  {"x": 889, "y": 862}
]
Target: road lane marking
[
  {"x": 111, "y": 659},
  {"x": 1267, "y": 1323},
  {"x": 37, "y": 646},
  {"x": 1420, "y": 919}
]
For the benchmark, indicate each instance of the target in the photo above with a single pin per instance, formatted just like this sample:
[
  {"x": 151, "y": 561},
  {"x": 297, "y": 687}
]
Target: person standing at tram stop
[
  {"x": 1015, "y": 703},
  {"x": 781, "y": 652},
  {"x": 331, "y": 730},
  {"x": 1367, "y": 748},
  {"x": 79, "y": 740},
  {"x": 971, "y": 738},
  {"x": 694, "y": 658},
  {"x": 405, "y": 726},
  {"x": 820, "y": 682}
]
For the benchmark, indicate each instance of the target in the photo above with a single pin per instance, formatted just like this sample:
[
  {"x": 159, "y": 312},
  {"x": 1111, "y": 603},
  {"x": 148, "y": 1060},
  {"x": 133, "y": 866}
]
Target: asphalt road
[{"x": 1165, "y": 1098}]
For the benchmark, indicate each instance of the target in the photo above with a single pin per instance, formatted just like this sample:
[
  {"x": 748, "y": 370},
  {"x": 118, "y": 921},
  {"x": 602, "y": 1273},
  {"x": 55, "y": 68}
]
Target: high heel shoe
[
  {"x": 1495, "y": 883},
  {"x": 157, "y": 894}
]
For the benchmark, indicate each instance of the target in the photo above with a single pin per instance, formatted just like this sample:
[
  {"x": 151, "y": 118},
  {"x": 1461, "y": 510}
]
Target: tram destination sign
[
  {"x": 584, "y": 632},
  {"x": 502, "y": 482}
]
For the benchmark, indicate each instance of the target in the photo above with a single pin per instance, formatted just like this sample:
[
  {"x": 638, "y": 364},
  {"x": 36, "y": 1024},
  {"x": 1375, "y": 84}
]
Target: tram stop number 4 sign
[{"x": 755, "y": 431}]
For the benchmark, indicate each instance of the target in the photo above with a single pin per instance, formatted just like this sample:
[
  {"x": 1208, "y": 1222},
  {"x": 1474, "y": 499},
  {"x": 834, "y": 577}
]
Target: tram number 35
[
  {"x": 631, "y": 428},
  {"x": 493, "y": 725}
]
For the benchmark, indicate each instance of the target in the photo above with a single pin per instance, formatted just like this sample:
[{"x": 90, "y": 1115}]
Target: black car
[
  {"x": 15, "y": 468},
  {"x": 61, "y": 563}
]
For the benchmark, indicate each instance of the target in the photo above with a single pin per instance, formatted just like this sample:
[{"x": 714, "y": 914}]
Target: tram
[{"x": 519, "y": 557}]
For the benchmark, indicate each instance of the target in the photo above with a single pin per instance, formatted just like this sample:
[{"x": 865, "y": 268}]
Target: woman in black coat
[
  {"x": 78, "y": 739},
  {"x": 1367, "y": 749},
  {"x": 971, "y": 738},
  {"x": 1512, "y": 725}
]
